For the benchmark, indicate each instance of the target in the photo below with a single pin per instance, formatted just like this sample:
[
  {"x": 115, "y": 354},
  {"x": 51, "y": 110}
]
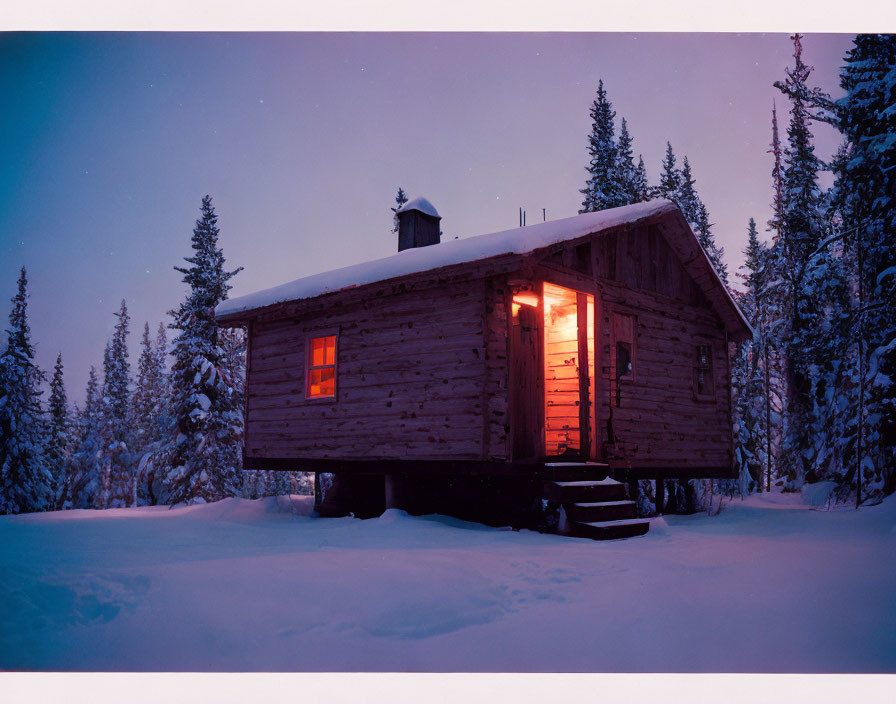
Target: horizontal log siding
[
  {"x": 410, "y": 376},
  {"x": 660, "y": 422}
]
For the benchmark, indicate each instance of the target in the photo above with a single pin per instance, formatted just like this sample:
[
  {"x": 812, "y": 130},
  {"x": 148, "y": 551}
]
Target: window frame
[
  {"x": 709, "y": 396},
  {"x": 306, "y": 377},
  {"x": 631, "y": 376}
]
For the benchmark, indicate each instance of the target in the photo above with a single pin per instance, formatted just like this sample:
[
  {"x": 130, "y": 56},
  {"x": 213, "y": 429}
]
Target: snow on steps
[
  {"x": 609, "y": 530},
  {"x": 591, "y": 511},
  {"x": 594, "y": 505},
  {"x": 583, "y": 491}
]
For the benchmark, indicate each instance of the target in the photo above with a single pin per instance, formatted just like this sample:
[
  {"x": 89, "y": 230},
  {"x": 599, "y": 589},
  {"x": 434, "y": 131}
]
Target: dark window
[
  {"x": 703, "y": 372},
  {"x": 623, "y": 360},
  {"x": 625, "y": 348}
]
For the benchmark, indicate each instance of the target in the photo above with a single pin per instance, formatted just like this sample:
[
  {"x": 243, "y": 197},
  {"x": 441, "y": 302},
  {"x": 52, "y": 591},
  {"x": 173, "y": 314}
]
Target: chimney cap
[{"x": 421, "y": 204}]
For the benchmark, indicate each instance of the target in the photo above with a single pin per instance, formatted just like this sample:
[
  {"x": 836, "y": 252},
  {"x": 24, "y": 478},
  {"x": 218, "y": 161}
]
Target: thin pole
[
  {"x": 521, "y": 217},
  {"x": 859, "y": 439},
  {"x": 768, "y": 425},
  {"x": 544, "y": 215}
]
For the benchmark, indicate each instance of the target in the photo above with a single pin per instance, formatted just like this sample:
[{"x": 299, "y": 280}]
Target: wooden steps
[
  {"x": 609, "y": 530},
  {"x": 600, "y": 511},
  {"x": 572, "y": 471},
  {"x": 595, "y": 506}
]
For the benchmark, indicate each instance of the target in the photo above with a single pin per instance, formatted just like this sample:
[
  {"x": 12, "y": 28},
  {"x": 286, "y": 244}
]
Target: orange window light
[{"x": 321, "y": 376}]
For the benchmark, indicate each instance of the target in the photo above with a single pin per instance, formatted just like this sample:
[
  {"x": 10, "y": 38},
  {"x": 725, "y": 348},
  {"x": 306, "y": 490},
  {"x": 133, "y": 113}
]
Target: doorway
[{"x": 568, "y": 373}]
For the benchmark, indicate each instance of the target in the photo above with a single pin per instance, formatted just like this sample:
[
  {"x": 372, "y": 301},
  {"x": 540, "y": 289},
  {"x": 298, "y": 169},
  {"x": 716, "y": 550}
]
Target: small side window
[
  {"x": 320, "y": 367},
  {"x": 624, "y": 335},
  {"x": 704, "y": 385},
  {"x": 624, "y": 352},
  {"x": 624, "y": 360}
]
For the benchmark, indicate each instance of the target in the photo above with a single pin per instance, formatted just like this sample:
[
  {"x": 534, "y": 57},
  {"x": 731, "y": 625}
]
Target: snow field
[{"x": 767, "y": 586}]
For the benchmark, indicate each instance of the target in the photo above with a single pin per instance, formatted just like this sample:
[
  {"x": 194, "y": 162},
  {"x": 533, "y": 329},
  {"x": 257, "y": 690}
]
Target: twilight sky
[{"x": 109, "y": 142}]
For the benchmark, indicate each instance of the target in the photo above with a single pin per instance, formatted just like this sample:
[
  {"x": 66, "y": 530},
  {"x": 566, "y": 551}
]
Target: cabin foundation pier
[{"x": 391, "y": 491}]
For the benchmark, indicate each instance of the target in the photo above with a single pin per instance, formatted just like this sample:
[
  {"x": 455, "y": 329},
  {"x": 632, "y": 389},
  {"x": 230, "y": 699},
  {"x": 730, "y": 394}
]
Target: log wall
[
  {"x": 658, "y": 421},
  {"x": 424, "y": 365},
  {"x": 412, "y": 379}
]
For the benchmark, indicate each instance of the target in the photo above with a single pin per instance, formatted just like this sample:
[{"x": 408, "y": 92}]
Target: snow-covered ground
[{"x": 767, "y": 586}]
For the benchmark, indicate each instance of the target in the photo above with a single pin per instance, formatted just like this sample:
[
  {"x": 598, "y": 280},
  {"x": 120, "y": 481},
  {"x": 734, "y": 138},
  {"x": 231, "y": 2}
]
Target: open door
[
  {"x": 526, "y": 388},
  {"x": 568, "y": 373}
]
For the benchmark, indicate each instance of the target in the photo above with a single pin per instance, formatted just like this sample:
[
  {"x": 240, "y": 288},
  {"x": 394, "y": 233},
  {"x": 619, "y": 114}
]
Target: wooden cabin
[{"x": 490, "y": 376}]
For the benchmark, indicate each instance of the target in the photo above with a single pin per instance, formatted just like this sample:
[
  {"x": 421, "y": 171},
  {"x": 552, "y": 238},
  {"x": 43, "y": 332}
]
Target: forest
[{"x": 812, "y": 391}]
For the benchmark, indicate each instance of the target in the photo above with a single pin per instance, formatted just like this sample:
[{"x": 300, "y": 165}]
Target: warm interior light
[
  {"x": 526, "y": 298},
  {"x": 563, "y": 397}
]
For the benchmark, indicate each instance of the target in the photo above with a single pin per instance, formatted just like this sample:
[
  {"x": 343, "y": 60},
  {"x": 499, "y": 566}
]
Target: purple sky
[{"x": 111, "y": 140}]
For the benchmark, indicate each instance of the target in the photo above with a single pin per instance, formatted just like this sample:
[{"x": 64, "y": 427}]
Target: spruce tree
[
  {"x": 641, "y": 185},
  {"x": 777, "y": 221},
  {"x": 602, "y": 188},
  {"x": 25, "y": 483},
  {"x": 685, "y": 196},
  {"x": 670, "y": 178},
  {"x": 400, "y": 199},
  {"x": 117, "y": 414},
  {"x": 144, "y": 427},
  {"x": 866, "y": 198},
  {"x": 149, "y": 393},
  {"x": 58, "y": 433},
  {"x": 716, "y": 254},
  {"x": 87, "y": 466},
  {"x": 692, "y": 208},
  {"x": 748, "y": 372},
  {"x": 164, "y": 421},
  {"x": 802, "y": 231},
  {"x": 627, "y": 174},
  {"x": 204, "y": 458}
]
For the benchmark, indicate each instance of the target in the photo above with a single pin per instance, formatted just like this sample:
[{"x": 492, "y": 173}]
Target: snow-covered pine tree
[
  {"x": 777, "y": 221},
  {"x": 670, "y": 177},
  {"x": 204, "y": 458},
  {"x": 88, "y": 465},
  {"x": 25, "y": 483},
  {"x": 716, "y": 254},
  {"x": 626, "y": 172},
  {"x": 150, "y": 393},
  {"x": 150, "y": 402},
  {"x": 866, "y": 198},
  {"x": 685, "y": 196},
  {"x": 774, "y": 318},
  {"x": 145, "y": 427},
  {"x": 160, "y": 428},
  {"x": 400, "y": 199},
  {"x": 602, "y": 188},
  {"x": 801, "y": 235},
  {"x": 118, "y": 436},
  {"x": 58, "y": 433},
  {"x": 164, "y": 420},
  {"x": 747, "y": 373},
  {"x": 641, "y": 185}
]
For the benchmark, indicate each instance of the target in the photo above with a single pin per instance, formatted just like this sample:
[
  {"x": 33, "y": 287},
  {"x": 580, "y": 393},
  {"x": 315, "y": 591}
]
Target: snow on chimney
[{"x": 418, "y": 224}]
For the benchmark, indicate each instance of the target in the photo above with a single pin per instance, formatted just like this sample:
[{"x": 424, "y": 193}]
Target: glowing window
[{"x": 320, "y": 380}]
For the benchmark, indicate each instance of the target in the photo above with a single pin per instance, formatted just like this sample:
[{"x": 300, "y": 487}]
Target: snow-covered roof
[
  {"x": 519, "y": 240},
  {"x": 421, "y": 204}
]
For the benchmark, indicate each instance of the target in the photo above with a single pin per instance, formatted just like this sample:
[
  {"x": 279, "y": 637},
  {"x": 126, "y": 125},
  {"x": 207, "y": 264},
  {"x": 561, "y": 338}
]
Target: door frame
[{"x": 588, "y": 417}]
